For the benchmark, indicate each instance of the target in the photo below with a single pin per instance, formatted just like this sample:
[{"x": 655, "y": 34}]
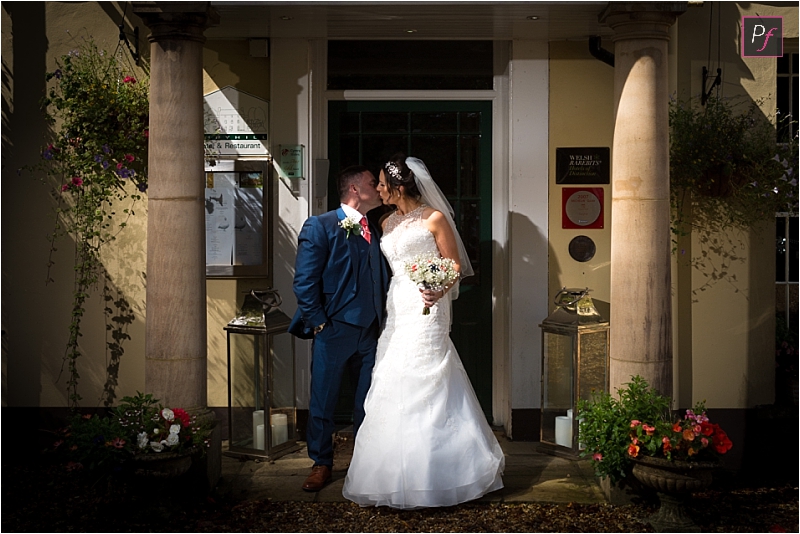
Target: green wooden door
[{"x": 453, "y": 138}]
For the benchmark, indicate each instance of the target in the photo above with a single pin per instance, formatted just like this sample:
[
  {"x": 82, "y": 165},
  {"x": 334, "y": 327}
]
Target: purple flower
[
  {"x": 142, "y": 187},
  {"x": 57, "y": 74},
  {"x": 106, "y": 149},
  {"x": 98, "y": 158},
  {"x": 105, "y": 164}
]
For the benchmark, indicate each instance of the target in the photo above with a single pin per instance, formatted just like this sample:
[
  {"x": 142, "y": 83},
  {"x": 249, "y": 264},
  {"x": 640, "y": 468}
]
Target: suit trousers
[{"x": 338, "y": 348}]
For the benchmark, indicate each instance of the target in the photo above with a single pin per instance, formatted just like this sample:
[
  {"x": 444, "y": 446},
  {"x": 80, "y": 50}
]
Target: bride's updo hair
[{"x": 397, "y": 173}]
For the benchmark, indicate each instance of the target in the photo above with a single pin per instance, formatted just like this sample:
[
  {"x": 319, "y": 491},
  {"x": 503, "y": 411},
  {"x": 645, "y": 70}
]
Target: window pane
[
  {"x": 780, "y": 249},
  {"x": 469, "y": 165},
  {"x": 348, "y": 152},
  {"x": 379, "y": 148},
  {"x": 470, "y": 122},
  {"x": 410, "y": 64},
  {"x": 438, "y": 153},
  {"x": 783, "y": 64},
  {"x": 349, "y": 122},
  {"x": 469, "y": 225},
  {"x": 783, "y": 104},
  {"x": 434, "y": 122},
  {"x": 792, "y": 249},
  {"x": 384, "y": 122}
]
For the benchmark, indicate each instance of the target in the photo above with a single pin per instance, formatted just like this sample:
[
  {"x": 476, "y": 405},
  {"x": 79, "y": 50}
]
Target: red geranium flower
[{"x": 182, "y": 416}]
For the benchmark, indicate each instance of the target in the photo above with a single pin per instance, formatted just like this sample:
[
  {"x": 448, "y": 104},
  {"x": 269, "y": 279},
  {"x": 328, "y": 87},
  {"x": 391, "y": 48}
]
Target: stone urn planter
[
  {"x": 163, "y": 464},
  {"x": 673, "y": 481}
]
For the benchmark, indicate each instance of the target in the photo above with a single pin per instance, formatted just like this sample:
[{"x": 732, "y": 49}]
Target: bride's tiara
[{"x": 394, "y": 170}]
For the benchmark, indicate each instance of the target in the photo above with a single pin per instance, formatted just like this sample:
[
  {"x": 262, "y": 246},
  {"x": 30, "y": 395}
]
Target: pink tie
[{"x": 365, "y": 230}]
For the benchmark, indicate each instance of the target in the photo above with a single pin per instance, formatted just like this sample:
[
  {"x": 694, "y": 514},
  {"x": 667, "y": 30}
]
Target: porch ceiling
[{"x": 393, "y": 20}]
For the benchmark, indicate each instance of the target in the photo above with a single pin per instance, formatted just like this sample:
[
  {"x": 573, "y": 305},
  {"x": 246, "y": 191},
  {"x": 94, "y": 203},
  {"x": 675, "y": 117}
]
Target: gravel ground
[{"x": 46, "y": 498}]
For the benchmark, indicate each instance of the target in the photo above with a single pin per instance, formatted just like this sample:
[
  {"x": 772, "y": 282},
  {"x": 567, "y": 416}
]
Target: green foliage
[
  {"x": 605, "y": 422},
  {"x": 153, "y": 429},
  {"x": 640, "y": 423},
  {"x": 139, "y": 425},
  {"x": 94, "y": 442},
  {"x": 726, "y": 166},
  {"x": 96, "y": 165}
]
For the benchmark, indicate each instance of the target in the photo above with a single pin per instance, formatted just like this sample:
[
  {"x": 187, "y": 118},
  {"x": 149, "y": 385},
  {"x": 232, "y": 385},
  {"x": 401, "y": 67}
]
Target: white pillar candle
[
  {"x": 258, "y": 421},
  {"x": 564, "y": 431},
  {"x": 280, "y": 428},
  {"x": 260, "y": 437}
]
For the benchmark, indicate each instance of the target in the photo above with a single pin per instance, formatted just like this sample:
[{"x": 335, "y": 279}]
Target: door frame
[{"x": 499, "y": 96}]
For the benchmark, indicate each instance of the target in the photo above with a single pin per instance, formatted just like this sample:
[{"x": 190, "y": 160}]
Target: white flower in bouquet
[
  {"x": 173, "y": 439},
  {"x": 429, "y": 271},
  {"x": 157, "y": 446},
  {"x": 167, "y": 414}
]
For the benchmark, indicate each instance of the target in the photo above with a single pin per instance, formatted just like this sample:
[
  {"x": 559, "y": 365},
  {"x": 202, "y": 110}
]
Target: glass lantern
[
  {"x": 574, "y": 364},
  {"x": 261, "y": 395}
]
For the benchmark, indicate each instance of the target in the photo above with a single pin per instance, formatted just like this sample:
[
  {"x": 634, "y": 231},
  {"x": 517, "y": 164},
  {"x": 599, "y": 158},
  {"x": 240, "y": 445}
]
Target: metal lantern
[
  {"x": 262, "y": 415},
  {"x": 574, "y": 364}
]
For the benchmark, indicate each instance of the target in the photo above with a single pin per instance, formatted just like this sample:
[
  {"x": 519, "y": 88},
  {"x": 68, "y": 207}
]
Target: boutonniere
[{"x": 351, "y": 224}]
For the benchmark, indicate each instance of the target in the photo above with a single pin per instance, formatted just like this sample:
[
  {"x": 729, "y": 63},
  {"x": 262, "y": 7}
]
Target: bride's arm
[{"x": 446, "y": 243}]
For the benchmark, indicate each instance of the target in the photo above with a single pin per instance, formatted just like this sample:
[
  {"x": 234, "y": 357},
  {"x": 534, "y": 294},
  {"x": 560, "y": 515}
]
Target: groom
[{"x": 340, "y": 282}]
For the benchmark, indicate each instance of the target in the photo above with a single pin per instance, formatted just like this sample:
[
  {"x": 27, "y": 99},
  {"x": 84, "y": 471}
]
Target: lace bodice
[{"x": 405, "y": 237}]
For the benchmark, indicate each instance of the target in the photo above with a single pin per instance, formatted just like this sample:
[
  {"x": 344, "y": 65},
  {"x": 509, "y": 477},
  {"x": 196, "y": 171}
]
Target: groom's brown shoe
[{"x": 320, "y": 475}]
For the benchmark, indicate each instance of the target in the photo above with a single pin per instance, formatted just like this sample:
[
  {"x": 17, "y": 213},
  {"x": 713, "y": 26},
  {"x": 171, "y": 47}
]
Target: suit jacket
[{"x": 326, "y": 273}]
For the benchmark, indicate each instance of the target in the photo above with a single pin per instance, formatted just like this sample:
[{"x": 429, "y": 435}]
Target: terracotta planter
[
  {"x": 162, "y": 464},
  {"x": 673, "y": 481}
]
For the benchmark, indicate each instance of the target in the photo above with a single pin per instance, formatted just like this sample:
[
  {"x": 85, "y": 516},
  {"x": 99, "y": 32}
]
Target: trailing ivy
[
  {"x": 726, "y": 167},
  {"x": 96, "y": 165}
]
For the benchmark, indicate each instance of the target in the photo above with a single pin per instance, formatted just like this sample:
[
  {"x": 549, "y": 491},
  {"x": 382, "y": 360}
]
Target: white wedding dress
[{"x": 424, "y": 441}]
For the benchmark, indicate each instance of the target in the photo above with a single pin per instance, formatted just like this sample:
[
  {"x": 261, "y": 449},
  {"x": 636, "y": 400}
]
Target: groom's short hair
[{"x": 348, "y": 177}]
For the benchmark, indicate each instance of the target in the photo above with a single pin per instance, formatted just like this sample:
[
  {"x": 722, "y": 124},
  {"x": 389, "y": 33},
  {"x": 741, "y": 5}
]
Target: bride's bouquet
[{"x": 429, "y": 271}]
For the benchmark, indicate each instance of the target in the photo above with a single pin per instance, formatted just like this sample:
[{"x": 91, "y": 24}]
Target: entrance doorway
[{"x": 453, "y": 138}]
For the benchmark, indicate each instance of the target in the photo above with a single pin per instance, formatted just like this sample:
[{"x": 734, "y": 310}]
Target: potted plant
[
  {"x": 139, "y": 434},
  {"x": 727, "y": 166},
  {"x": 638, "y": 434}
]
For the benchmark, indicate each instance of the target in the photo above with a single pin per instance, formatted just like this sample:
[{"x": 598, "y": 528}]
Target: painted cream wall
[
  {"x": 724, "y": 283},
  {"x": 290, "y": 124},
  {"x": 581, "y": 115},
  {"x": 36, "y": 316},
  {"x": 228, "y": 62},
  {"x": 527, "y": 218}
]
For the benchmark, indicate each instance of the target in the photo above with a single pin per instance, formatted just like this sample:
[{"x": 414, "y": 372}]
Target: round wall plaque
[
  {"x": 582, "y": 248},
  {"x": 583, "y": 208}
]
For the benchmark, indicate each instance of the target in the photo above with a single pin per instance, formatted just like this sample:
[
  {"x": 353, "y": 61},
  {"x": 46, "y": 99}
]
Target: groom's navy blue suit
[{"x": 342, "y": 282}]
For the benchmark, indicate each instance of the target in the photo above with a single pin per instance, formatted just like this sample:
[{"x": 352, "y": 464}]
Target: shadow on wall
[
  {"x": 36, "y": 316},
  {"x": 527, "y": 310},
  {"x": 23, "y": 84}
]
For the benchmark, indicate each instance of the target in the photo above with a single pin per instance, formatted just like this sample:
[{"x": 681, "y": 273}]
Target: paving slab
[{"x": 530, "y": 476}]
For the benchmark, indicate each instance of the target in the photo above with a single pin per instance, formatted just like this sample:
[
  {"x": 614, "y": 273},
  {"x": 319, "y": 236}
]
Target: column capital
[
  {"x": 641, "y": 20},
  {"x": 176, "y": 20}
]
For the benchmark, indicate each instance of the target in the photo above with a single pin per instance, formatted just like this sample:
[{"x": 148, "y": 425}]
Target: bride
[{"x": 424, "y": 441}]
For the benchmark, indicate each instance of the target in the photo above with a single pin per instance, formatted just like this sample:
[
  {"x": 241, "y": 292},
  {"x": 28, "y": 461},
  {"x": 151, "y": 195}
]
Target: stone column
[
  {"x": 175, "y": 346},
  {"x": 641, "y": 305}
]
